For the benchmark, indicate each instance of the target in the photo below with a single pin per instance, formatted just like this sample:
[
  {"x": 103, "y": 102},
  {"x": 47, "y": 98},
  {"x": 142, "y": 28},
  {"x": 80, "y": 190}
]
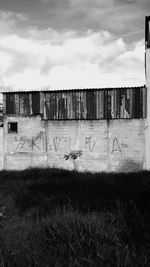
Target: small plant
[{"x": 73, "y": 155}]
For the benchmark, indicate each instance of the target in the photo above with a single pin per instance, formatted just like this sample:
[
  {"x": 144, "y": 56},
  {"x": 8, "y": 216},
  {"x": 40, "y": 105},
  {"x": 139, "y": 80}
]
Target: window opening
[{"x": 12, "y": 127}]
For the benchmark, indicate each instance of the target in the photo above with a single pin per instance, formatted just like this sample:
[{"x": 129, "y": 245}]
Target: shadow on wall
[{"x": 129, "y": 165}]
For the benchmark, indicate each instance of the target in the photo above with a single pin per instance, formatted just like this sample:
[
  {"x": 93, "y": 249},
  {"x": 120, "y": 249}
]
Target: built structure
[{"x": 110, "y": 126}]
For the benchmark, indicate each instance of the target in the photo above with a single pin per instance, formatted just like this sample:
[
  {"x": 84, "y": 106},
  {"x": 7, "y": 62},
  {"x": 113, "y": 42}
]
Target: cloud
[
  {"x": 37, "y": 59},
  {"x": 120, "y": 17}
]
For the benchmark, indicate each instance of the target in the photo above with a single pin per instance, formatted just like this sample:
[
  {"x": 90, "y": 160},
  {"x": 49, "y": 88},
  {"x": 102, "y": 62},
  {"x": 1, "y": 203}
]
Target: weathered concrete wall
[
  {"x": 116, "y": 145},
  {"x": 107, "y": 146},
  {"x": 25, "y": 148}
]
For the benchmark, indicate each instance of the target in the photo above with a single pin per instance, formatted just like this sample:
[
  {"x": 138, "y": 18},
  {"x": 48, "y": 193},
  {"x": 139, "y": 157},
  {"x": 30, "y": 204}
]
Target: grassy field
[{"x": 51, "y": 217}]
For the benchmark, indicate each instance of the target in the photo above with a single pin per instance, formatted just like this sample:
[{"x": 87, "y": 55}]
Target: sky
[{"x": 53, "y": 44}]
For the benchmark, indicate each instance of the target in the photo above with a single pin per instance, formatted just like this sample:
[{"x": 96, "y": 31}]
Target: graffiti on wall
[
  {"x": 63, "y": 144},
  {"x": 25, "y": 143},
  {"x": 116, "y": 146},
  {"x": 57, "y": 144},
  {"x": 90, "y": 143}
]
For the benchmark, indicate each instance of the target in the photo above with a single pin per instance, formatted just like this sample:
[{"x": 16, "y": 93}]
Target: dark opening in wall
[{"x": 12, "y": 127}]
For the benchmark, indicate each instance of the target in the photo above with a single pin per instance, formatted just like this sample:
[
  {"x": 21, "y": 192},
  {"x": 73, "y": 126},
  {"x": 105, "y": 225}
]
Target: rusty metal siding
[
  {"x": 17, "y": 103},
  {"x": 42, "y": 102},
  {"x": 22, "y": 104},
  {"x": 26, "y": 105},
  {"x": 10, "y": 103},
  {"x": 36, "y": 102},
  {"x": 4, "y": 104},
  {"x": 77, "y": 105}
]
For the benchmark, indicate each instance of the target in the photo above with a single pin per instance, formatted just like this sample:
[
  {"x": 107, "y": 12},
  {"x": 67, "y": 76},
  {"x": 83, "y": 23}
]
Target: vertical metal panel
[
  {"x": 130, "y": 97},
  {"x": 77, "y": 103},
  {"x": 84, "y": 105},
  {"x": 17, "y": 103},
  {"x": 115, "y": 104},
  {"x": 59, "y": 105},
  {"x": 122, "y": 106},
  {"x": 44, "y": 108},
  {"x": 91, "y": 101},
  {"x": 112, "y": 104},
  {"x": 47, "y": 105},
  {"x": 53, "y": 106},
  {"x": 94, "y": 104},
  {"x": 69, "y": 107},
  {"x": 109, "y": 104},
  {"x": 30, "y": 103},
  {"x": 88, "y": 105},
  {"x": 91, "y": 104},
  {"x": 7, "y": 103},
  {"x": 137, "y": 103},
  {"x": 50, "y": 108},
  {"x": 82, "y": 111},
  {"x": 73, "y": 105},
  {"x": 26, "y": 104},
  {"x": 120, "y": 101},
  {"x": 133, "y": 103},
  {"x": 10, "y": 103},
  {"x": 36, "y": 102},
  {"x": 42, "y": 102},
  {"x": 105, "y": 103},
  {"x": 63, "y": 106},
  {"x": 102, "y": 104},
  {"x": 127, "y": 104},
  {"x": 56, "y": 109},
  {"x": 97, "y": 105},
  {"x": 4, "y": 104},
  {"x": 21, "y": 104}
]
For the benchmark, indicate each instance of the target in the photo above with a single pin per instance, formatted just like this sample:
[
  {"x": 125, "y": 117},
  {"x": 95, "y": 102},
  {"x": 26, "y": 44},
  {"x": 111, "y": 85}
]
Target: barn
[{"x": 109, "y": 126}]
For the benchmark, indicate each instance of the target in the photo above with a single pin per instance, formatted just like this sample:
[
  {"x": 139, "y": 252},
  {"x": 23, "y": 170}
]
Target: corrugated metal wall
[{"x": 79, "y": 104}]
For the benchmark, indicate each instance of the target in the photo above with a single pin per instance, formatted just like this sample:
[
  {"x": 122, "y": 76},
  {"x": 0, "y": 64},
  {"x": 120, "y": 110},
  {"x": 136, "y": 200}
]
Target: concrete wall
[{"x": 115, "y": 145}]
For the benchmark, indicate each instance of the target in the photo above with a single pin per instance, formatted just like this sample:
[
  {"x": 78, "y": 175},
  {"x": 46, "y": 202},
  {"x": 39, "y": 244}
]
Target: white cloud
[{"x": 52, "y": 59}]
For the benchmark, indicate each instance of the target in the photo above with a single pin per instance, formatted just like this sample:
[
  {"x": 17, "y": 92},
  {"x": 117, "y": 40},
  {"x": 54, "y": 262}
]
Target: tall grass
[{"x": 51, "y": 217}]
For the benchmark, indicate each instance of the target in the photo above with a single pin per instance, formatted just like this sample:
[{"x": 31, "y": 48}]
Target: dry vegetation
[{"x": 61, "y": 218}]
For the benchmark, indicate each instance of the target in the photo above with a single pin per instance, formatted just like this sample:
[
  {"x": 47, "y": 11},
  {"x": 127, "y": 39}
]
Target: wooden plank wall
[{"x": 79, "y": 104}]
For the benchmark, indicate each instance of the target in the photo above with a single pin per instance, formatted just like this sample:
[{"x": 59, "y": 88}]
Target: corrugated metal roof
[{"x": 9, "y": 90}]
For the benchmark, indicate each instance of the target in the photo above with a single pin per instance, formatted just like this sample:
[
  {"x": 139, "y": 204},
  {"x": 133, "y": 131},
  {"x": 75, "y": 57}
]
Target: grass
[{"x": 51, "y": 217}]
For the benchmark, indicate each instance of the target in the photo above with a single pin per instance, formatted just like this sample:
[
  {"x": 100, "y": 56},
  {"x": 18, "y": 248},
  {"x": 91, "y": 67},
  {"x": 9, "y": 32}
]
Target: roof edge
[{"x": 70, "y": 89}]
